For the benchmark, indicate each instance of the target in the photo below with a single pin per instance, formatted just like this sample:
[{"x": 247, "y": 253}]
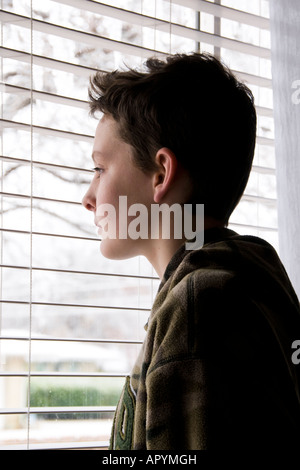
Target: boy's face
[{"x": 115, "y": 176}]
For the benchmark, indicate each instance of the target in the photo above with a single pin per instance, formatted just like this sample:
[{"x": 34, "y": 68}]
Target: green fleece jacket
[{"x": 215, "y": 369}]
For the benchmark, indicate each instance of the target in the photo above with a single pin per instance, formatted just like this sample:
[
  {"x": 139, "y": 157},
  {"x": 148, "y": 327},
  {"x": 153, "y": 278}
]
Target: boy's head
[{"x": 193, "y": 105}]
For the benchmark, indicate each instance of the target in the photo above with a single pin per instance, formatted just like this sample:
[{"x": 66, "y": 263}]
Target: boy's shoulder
[
  {"x": 235, "y": 282},
  {"x": 224, "y": 257}
]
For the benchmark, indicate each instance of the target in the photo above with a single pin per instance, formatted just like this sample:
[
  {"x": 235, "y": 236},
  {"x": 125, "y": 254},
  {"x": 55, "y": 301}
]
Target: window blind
[{"x": 71, "y": 322}]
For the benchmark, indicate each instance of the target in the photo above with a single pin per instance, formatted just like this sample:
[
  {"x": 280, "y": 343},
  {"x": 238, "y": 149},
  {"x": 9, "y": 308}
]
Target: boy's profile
[{"x": 215, "y": 369}]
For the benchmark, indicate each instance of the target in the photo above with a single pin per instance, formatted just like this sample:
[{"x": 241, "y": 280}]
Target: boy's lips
[{"x": 99, "y": 228}]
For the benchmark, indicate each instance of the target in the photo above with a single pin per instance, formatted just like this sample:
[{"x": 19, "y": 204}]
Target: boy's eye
[{"x": 98, "y": 170}]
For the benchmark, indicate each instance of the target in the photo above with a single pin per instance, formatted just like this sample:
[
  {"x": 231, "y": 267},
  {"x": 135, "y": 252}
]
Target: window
[{"x": 71, "y": 322}]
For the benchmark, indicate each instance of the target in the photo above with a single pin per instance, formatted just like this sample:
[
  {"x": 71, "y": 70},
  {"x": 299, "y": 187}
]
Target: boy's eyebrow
[{"x": 95, "y": 152}]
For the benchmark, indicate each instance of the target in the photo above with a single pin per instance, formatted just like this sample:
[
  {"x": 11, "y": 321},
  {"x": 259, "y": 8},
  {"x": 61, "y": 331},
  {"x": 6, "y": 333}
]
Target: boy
[{"x": 215, "y": 369}]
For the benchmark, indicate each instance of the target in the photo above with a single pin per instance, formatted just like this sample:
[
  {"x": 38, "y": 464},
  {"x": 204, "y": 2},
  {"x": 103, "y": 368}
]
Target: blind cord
[{"x": 31, "y": 225}]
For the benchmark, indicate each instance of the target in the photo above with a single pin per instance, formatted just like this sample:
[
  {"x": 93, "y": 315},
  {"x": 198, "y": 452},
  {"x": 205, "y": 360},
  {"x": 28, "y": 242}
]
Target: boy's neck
[{"x": 161, "y": 251}]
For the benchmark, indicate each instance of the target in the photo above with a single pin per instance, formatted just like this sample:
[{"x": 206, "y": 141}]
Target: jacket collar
[{"x": 210, "y": 236}]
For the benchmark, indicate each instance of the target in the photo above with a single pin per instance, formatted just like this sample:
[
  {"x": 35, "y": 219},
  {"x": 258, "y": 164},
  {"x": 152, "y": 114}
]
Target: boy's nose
[{"x": 89, "y": 201}]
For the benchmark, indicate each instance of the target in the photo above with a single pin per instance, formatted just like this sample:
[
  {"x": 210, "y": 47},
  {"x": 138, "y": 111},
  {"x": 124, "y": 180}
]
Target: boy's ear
[{"x": 165, "y": 174}]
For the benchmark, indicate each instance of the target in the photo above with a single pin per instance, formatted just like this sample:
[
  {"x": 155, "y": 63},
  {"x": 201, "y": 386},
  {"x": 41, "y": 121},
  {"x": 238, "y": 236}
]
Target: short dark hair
[{"x": 194, "y": 105}]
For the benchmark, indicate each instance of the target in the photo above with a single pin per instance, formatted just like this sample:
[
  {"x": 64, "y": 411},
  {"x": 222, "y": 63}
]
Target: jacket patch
[{"x": 124, "y": 419}]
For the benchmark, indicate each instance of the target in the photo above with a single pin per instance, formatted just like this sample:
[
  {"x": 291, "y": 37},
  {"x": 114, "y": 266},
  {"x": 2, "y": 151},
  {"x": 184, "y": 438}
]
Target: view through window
[{"x": 72, "y": 322}]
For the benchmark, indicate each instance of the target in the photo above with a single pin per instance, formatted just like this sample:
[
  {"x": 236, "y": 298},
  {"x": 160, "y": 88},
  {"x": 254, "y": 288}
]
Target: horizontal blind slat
[
  {"x": 88, "y": 71},
  {"x": 71, "y": 340},
  {"x": 58, "y": 410},
  {"x": 62, "y": 374},
  {"x": 89, "y": 445},
  {"x": 47, "y": 62},
  {"x": 259, "y": 228},
  {"x": 86, "y": 306},
  {"x": 255, "y": 168},
  {"x": 196, "y": 5},
  {"x": 39, "y": 198},
  {"x": 222, "y": 11},
  {"x": 262, "y": 200},
  {"x": 36, "y": 163},
  {"x": 45, "y": 234},
  {"x": 59, "y": 99},
  {"x": 73, "y": 271},
  {"x": 132, "y": 49},
  {"x": 81, "y": 137},
  {"x": 10, "y": 124},
  {"x": 43, "y": 95},
  {"x": 78, "y": 36}
]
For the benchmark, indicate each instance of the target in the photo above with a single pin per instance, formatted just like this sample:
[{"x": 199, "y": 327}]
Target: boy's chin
[{"x": 118, "y": 249}]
